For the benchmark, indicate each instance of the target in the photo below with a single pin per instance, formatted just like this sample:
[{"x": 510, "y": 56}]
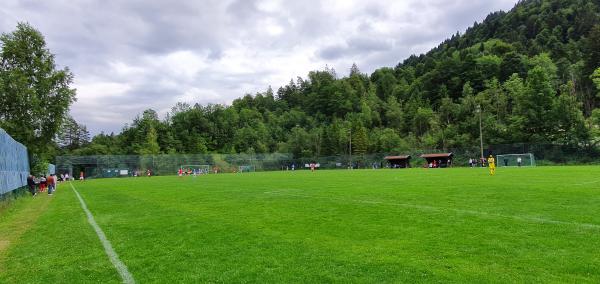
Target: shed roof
[
  {"x": 402, "y": 157},
  {"x": 439, "y": 155}
]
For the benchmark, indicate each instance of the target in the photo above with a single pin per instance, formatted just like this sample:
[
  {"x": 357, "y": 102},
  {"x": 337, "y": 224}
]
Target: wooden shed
[
  {"x": 398, "y": 162},
  {"x": 440, "y": 160}
]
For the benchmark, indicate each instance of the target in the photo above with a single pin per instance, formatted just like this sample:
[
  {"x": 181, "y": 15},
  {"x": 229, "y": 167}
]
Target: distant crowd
[
  {"x": 49, "y": 183},
  {"x": 192, "y": 172},
  {"x": 482, "y": 162},
  {"x": 42, "y": 183}
]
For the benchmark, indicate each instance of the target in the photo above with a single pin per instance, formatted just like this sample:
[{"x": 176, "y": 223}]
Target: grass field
[{"x": 451, "y": 225}]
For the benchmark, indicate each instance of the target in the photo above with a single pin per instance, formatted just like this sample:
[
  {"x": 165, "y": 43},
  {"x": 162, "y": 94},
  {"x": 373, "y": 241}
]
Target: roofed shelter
[
  {"x": 398, "y": 161},
  {"x": 442, "y": 160}
]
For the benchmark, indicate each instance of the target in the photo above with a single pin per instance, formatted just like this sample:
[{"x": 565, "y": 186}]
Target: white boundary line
[
  {"x": 587, "y": 182},
  {"x": 440, "y": 209},
  {"x": 110, "y": 252}
]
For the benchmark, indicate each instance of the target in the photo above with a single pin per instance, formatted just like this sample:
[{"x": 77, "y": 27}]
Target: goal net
[
  {"x": 246, "y": 169},
  {"x": 515, "y": 160},
  {"x": 197, "y": 169}
]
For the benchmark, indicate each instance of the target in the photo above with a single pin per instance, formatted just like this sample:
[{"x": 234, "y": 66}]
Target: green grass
[{"x": 451, "y": 225}]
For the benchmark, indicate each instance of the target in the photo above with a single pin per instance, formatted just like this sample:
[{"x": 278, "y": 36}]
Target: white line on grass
[
  {"x": 587, "y": 182},
  {"x": 112, "y": 255},
  {"x": 440, "y": 209}
]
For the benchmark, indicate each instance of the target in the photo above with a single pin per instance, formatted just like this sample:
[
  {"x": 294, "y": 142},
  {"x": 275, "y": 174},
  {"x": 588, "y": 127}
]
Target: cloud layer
[{"x": 128, "y": 56}]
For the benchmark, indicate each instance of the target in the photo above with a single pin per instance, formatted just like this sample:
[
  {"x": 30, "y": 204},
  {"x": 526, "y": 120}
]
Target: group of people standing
[
  {"x": 482, "y": 162},
  {"x": 477, "y": 163},
  {"x": 48, "y": 183},
  {"x": 41, "y": 183},
  {"x": 189, "y": 172},
  {"x": 437, "y": 164},
  {"x": 490, "y": 162},
  {"x": 138, "y": 173}
]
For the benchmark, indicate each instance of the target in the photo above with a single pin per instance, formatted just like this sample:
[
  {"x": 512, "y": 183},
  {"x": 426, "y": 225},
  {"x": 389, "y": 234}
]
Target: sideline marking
[
  {"x": 110, "y": 252},
  {"x": 440, "y": 209},
  {"x": 587, "y": 182}
]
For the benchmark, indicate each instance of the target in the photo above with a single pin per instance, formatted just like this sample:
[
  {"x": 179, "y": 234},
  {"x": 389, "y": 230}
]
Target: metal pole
[
  {"x": 480, "y": 132},
  {"x": 351, "y": 166}
]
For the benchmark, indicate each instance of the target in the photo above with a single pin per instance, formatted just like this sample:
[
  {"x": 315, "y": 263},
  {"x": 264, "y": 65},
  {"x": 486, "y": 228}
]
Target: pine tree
[
  {"x": 360, "y": 140},
  {"x": 596, "y": 79},
  {"x": 150, "y": 147},
  {"x": 568, "y": 119},
  {"x": 354, "y": 70}
]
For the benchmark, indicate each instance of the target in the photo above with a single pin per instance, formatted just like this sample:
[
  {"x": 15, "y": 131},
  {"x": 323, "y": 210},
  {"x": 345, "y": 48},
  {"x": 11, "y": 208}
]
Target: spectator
[
  {"x": 31, "y": 184},
  {"x": 50, "y": 182},
  {"x": 42, "y": 183},
  {"x": 55, "y": 177}
]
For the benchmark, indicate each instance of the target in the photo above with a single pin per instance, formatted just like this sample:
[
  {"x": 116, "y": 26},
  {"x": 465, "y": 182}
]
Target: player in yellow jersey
[{"x": 492, "y": 165}]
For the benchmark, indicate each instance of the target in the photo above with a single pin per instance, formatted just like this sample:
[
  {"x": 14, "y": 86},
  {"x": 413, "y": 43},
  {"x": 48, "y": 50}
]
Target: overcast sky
[{"x": 128, "y": 56}]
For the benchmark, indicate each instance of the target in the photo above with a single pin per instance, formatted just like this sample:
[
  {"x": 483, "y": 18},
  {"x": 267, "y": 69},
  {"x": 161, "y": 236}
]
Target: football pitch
[{"x": 417, "y": 225}]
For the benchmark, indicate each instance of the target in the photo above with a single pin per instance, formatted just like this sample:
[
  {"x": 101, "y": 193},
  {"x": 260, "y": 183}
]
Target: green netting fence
[{"x": 130, "y": 165}]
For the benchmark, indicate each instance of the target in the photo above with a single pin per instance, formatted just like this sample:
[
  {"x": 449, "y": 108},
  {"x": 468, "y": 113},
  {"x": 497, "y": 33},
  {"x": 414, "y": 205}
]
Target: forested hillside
[{"x": 530, "y": 71}]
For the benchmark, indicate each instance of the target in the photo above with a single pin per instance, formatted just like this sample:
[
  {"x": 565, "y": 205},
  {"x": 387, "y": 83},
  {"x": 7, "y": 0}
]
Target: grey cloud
[
  {"x": 332, "y": 52},
  {"x": 243, "y": 10},
  {"x": 357, "y": 45},
  {"x": 374, "y": 11},
  {"x": 369, "y": 44}
]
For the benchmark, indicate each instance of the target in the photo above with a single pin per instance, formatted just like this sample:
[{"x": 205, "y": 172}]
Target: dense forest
[{"x": 532, "y": 72}]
